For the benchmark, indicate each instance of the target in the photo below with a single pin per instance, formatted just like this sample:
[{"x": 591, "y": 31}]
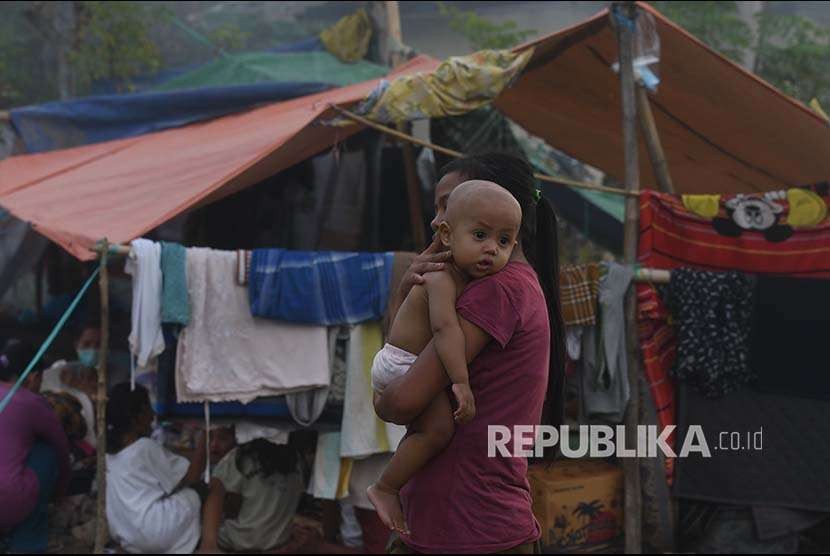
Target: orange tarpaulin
[
  {"x": 122, "y": 189},
  {"x": 723, "y": 129}
]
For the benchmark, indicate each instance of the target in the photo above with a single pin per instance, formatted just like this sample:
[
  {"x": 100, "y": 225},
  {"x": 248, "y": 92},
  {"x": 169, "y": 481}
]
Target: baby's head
[{"x": 481, "y": 226}]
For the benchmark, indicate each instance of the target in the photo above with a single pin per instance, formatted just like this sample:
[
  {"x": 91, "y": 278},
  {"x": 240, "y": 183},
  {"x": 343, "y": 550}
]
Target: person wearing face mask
[{"x": 88, "y": 350}]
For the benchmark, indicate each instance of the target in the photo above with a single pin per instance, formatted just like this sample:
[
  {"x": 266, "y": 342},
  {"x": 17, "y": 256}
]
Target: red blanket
[{"x": 785, "y": 232}]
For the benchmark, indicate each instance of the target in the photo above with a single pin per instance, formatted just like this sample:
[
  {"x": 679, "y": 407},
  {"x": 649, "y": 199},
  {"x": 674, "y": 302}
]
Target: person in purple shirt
[
  {"x": 34, "y": 457},
  {"x": 463, "y": 501}
]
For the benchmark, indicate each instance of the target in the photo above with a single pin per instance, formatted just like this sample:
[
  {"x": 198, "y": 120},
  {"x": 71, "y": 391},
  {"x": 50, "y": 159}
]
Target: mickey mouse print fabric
[{"x": 781, "y": 232}]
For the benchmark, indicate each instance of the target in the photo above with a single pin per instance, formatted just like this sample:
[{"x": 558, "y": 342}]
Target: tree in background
[
  {"x": 482, "y": 33},
  {"x": 789, "y": 51},
  {"x": 112, "y": 43},
  {"x": 58, "y": 49}
]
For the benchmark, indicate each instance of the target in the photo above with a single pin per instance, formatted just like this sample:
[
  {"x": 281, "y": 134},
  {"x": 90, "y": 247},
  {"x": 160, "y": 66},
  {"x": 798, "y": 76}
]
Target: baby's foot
[{"x": 388, "y": 506}]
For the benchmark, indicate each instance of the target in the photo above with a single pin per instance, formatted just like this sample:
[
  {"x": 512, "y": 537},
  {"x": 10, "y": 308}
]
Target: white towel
[
  {"x": 362, "y": 432},
  {"x": 224, "y": 354},
  {"x": 144, "y": 265},
  {"x": 246, "y": 432}
]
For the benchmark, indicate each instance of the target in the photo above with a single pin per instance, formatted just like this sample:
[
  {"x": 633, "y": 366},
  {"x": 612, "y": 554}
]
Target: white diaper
[{"x": 390, "y": 363}]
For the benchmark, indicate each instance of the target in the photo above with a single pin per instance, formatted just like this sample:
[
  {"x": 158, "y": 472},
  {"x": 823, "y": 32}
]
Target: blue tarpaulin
[{"x": 56, "y": 125}]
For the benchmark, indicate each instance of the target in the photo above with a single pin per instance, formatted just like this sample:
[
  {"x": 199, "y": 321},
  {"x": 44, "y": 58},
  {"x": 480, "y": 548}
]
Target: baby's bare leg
[{"x": 428, "y": 435}]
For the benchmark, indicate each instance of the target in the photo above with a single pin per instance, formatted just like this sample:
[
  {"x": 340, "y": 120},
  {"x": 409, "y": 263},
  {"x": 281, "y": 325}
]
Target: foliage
[
  {"x": 112, "y": 43},
  {"x": 792, "y": 52},
  {"x": 228, "y": 37},
  {"x": 482, "y": 33},
  {"x": 715, "y": 23}
]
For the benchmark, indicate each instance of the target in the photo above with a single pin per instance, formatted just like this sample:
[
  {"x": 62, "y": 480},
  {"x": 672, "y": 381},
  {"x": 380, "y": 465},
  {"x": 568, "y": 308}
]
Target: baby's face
[{"x": 483, "y": 238}]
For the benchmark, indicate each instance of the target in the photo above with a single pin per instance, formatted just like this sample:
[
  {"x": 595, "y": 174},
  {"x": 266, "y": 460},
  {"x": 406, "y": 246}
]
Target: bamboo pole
[
  {"x": 101, "y": 528},
  {"x": 631, "y": 466},
  {"x": 456, "y": 154},
  {"x": 655, "y": 147},
  {"x": 413, "y": 191}
]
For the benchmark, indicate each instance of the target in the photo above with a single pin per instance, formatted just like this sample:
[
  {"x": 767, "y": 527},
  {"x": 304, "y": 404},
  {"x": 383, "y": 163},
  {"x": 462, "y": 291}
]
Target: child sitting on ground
[
  {"x": 481, "y": 227},
  {"x": 150, "y": 508},
  {"x": 254, "y": 494}
]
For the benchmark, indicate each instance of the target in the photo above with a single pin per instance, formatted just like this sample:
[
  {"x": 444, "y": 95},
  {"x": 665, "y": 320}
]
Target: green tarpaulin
[{"x": 259, "y": 67}]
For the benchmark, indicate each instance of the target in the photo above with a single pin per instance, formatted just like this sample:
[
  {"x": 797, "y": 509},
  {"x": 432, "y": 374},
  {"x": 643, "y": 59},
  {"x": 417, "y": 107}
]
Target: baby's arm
[{"x": 449, "y": 339}]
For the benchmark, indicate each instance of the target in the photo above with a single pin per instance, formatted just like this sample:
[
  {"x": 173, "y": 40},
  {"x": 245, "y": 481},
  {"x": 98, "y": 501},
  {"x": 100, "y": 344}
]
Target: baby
[{"x": 481, "y": 227}]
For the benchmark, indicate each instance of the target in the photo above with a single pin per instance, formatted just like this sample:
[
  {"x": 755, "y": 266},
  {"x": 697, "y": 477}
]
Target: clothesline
[
  {"x": 455, "y": 154},
  {"x": 653, "y": 275}
]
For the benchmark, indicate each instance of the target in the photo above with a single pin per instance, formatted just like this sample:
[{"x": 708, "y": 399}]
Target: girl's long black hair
[{"x": 123, "y": 407}]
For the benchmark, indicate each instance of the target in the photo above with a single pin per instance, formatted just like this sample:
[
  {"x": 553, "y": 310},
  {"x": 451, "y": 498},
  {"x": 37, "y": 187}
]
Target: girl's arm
[
  {"x": 408, "y": 396},
  {"x": 212, "y": 516},
  {"x": 198, "y": 461}
]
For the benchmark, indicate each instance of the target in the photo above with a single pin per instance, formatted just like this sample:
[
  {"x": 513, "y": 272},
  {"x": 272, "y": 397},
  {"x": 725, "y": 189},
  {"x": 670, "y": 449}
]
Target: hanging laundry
[
  {"x": 329, "y": 478},
  {"x": 363, "y": 433},
  {"x": 306, "y": 407},
  {"x": 573, "y": 342},
  {"x": 226, "y": 354},
  {"x": 319, "y": 287},
  {"x": 792, "y": 325},
  {"x": 658, "y": 348},
  {"x": 764, "y": 233},
  {"x": 713, "y": 316},
  {"x": 246, "y": 431},
  {"x": 175, "y": 303},
  {"x": 605, "y": 387},
  {"x": 144, "y": 265},
  {"x": 578, "y": 287}
]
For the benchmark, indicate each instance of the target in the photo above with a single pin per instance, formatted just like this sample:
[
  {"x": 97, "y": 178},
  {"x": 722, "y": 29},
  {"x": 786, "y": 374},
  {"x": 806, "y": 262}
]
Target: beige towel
[
  {"x": 362, "y": 432},
  {"x": 224, "y": 354}
]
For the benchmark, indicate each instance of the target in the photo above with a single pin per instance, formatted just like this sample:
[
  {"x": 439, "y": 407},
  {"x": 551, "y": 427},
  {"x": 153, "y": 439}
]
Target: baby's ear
[{"x": 444, "y": 233}]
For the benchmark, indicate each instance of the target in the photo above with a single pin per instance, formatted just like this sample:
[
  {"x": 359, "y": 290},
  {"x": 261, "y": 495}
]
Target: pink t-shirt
[
  {"x": 27, "y": 419},
  {"x": 462, "y": 501}
]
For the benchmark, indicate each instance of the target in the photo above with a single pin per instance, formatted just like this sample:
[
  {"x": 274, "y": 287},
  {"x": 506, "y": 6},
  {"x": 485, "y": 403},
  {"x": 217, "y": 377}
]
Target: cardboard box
[{"x": 579, "y": 505}]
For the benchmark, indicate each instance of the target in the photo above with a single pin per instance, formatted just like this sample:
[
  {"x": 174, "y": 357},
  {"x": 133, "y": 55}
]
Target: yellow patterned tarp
[
  {"x": 459, "y": 85},
  {"x": 348, "y": 39}
]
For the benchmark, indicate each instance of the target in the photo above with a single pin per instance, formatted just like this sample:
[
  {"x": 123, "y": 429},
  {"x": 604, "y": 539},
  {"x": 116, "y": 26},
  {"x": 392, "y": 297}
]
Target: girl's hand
[
  {"x": 466, "y": 403},
  {"x": 432, "y": 259}
]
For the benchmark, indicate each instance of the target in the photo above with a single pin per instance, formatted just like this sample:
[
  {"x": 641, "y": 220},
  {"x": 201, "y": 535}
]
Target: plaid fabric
[
  {"x": 659, "y": 348},
  {"x": 578, "y": 287}
]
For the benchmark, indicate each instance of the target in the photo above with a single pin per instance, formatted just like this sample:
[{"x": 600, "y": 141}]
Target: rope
[
  {"x": 456, "y": 154},
  {"x": 7, "y": 399}
]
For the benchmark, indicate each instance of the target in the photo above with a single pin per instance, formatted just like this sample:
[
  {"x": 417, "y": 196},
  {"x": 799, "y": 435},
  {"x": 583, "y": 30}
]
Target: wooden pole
[
  {"x": 413, "y": 192},
  {"x": 655, "y": 147},
  {"x": 101, "y": 528},
  {"x": 394, "y": 32},
  {"x": 631, "y": 466},
  {"x": 413, "y": 187}
]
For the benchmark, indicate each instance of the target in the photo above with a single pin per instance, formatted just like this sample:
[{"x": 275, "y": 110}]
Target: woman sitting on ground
[
  {"x": 34, "y": 456},
  {"x": 150, "y": 508}
]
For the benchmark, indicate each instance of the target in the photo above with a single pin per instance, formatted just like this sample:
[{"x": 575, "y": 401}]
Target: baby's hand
[{"x": 466, "y": 403}]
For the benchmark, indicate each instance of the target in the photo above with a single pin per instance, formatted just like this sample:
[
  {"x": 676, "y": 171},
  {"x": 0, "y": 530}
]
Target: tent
[
  {"x": 226, "y": 85},
  {"x": 122, "y": 189},
  {"x": 722, "y": 128},
  {"x": 707, "y": 110}
]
